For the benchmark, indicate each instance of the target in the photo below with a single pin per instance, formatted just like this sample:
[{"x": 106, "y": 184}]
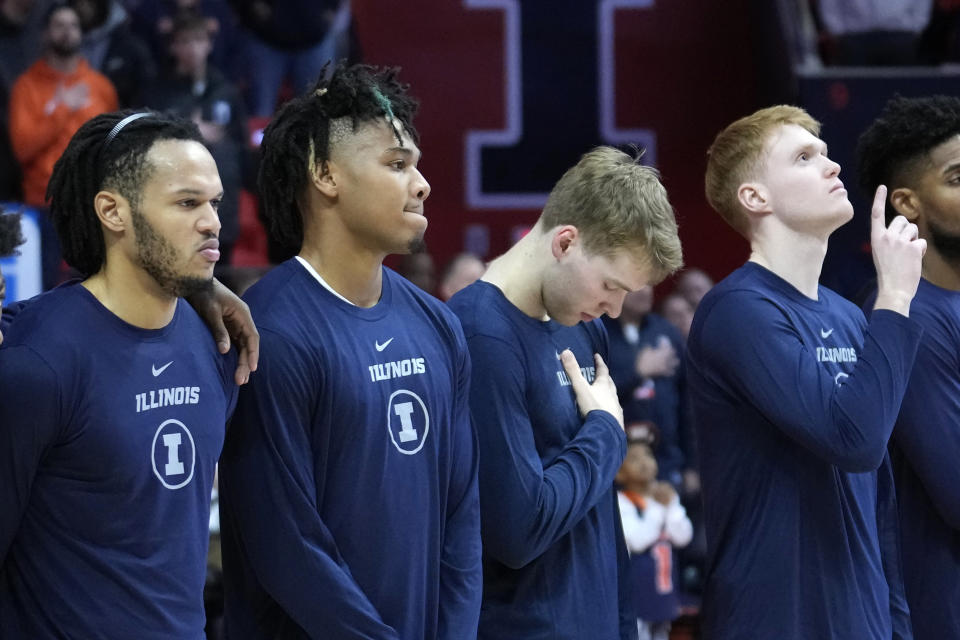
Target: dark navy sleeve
[
  {"x": 767, "y": 364},
  {"x": 461, "y": 571},
  {"x": 267, "y": 486},
  {"x": 928, "y": 432},
  {"x": 29, "y": 425},
  {"x": 526, "y": 507},
  {"x": 888, "y": 532}
]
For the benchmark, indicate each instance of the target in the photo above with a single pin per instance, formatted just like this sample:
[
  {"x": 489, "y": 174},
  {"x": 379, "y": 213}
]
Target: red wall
[{"x": 684, "y": 69}]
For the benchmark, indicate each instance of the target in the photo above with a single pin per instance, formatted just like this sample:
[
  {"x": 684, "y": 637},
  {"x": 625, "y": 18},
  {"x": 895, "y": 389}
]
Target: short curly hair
[{"x": 900, "y": 139}]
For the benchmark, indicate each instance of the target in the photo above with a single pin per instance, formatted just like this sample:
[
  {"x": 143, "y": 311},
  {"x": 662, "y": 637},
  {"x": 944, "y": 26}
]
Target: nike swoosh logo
[
  {"x": 157, "y": 372},
  {"x": 825, "y": 334},
  {"x": 381, "y": 347}
]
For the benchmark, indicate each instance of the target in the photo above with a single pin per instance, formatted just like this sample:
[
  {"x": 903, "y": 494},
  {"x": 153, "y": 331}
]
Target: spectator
[
  {"x": 464, "y": 269},
  {"x": 21, "y": 31},
  {"x": 646, "y": 363},
  {"x": 418, "y": 268},
  {"x": 654, "y": 524},
  {"x": 873, "y": 32},
  {"x": 110, "y": 47},
  {"x": 10, "y": 238},
  {"x": 693, "y": 284},
  {"x": 20, "y": 39},
  {"x": 190, "y": 87},
  {"x": 677, "y": 311},
  {"x": 49, "y": 102},
  {"x": 152, "y": 20},
  {"x": 289, "y": 40}
]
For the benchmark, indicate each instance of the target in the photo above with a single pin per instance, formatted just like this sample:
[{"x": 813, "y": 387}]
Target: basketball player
[
  {"x": 914, "y": 147},
  {"x": 349, "y": 504},
  {"x": 113, "y": 396},
  {"x": 555, "y": 562},
  {"x": 795, "y": 396}
]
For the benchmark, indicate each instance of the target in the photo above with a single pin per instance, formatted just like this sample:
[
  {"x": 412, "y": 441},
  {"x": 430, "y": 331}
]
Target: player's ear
[
  {"x": 565, "y": 238},
  {"x": 323, "y": 175},
  {"x": 906, "y": 203},
  {"x": 113, "y": 210},
  {"x": 754, "y": 198}
]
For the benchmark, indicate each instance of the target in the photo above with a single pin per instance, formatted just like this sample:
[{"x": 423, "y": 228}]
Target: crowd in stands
[
  {"x": 869, "y": 33},
  {"x": 217, "y": 62}
]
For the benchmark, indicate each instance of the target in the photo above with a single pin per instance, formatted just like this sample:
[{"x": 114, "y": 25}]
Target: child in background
[{"x": 654, "y": 522}]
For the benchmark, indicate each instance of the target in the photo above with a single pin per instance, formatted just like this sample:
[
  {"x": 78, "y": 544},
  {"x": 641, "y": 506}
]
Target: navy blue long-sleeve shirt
[
  {"x": 794, "y": 402},
  {"x": 555, "y": 562},
  {"x": 348, "y": 495},
  {"x": 925, "y": 448},
  {"x": 109, "y": 436}
]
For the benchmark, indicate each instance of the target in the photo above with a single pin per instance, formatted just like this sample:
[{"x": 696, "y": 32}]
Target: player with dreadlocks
[
  {"x": 113, "y": 396},
  {"x": 914, "y": 148},
  {"x": 349, "y": 503}
]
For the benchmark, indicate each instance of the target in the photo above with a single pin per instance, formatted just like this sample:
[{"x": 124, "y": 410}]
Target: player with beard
[
  {"x": 113, "y": 396},
  {"x": 348, "y": 496},
  {"x": 914, "y": 147}
]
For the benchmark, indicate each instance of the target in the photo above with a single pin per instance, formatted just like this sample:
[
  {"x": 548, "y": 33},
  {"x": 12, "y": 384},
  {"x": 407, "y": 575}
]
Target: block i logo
[
  {"x": 407, "y": 421},
  {"x": 174, "y": 454}
]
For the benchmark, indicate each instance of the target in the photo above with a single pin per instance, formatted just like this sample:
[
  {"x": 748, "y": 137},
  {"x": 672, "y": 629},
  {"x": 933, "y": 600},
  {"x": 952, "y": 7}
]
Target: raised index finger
[{"x": 877, "y": 224}]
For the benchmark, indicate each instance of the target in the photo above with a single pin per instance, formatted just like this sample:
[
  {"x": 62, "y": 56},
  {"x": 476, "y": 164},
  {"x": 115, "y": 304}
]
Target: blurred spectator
[
  {"x": 21, "y": 26},
  {"x": 418, "y": 268},
  {"x": 654, "y": 522},
  {"x": 21, "y": 29},
  {"x": 51, "y": 99},
  {"x": 464, "y": 269},
  {"x": 48, "y": 103},
  {"x": 693, "y": 284},
  {"x": 646, "y": 364},
  {"x": 10, "y": 238},
  {"x": 190, "y": 87},
  {"x": 152, "y": 20},
  {"x": 111, "y": 48},
  {"x": 678, "y": 312},
  {"x": 872, "y": 32},
  {"x": 10, "y": 176},
  {"x": 289, "y": 40}
]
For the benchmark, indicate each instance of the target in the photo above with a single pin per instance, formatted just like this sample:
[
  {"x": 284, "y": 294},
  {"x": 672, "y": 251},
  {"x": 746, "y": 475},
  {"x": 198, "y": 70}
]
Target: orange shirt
[{"x": 40, "y": 129}]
